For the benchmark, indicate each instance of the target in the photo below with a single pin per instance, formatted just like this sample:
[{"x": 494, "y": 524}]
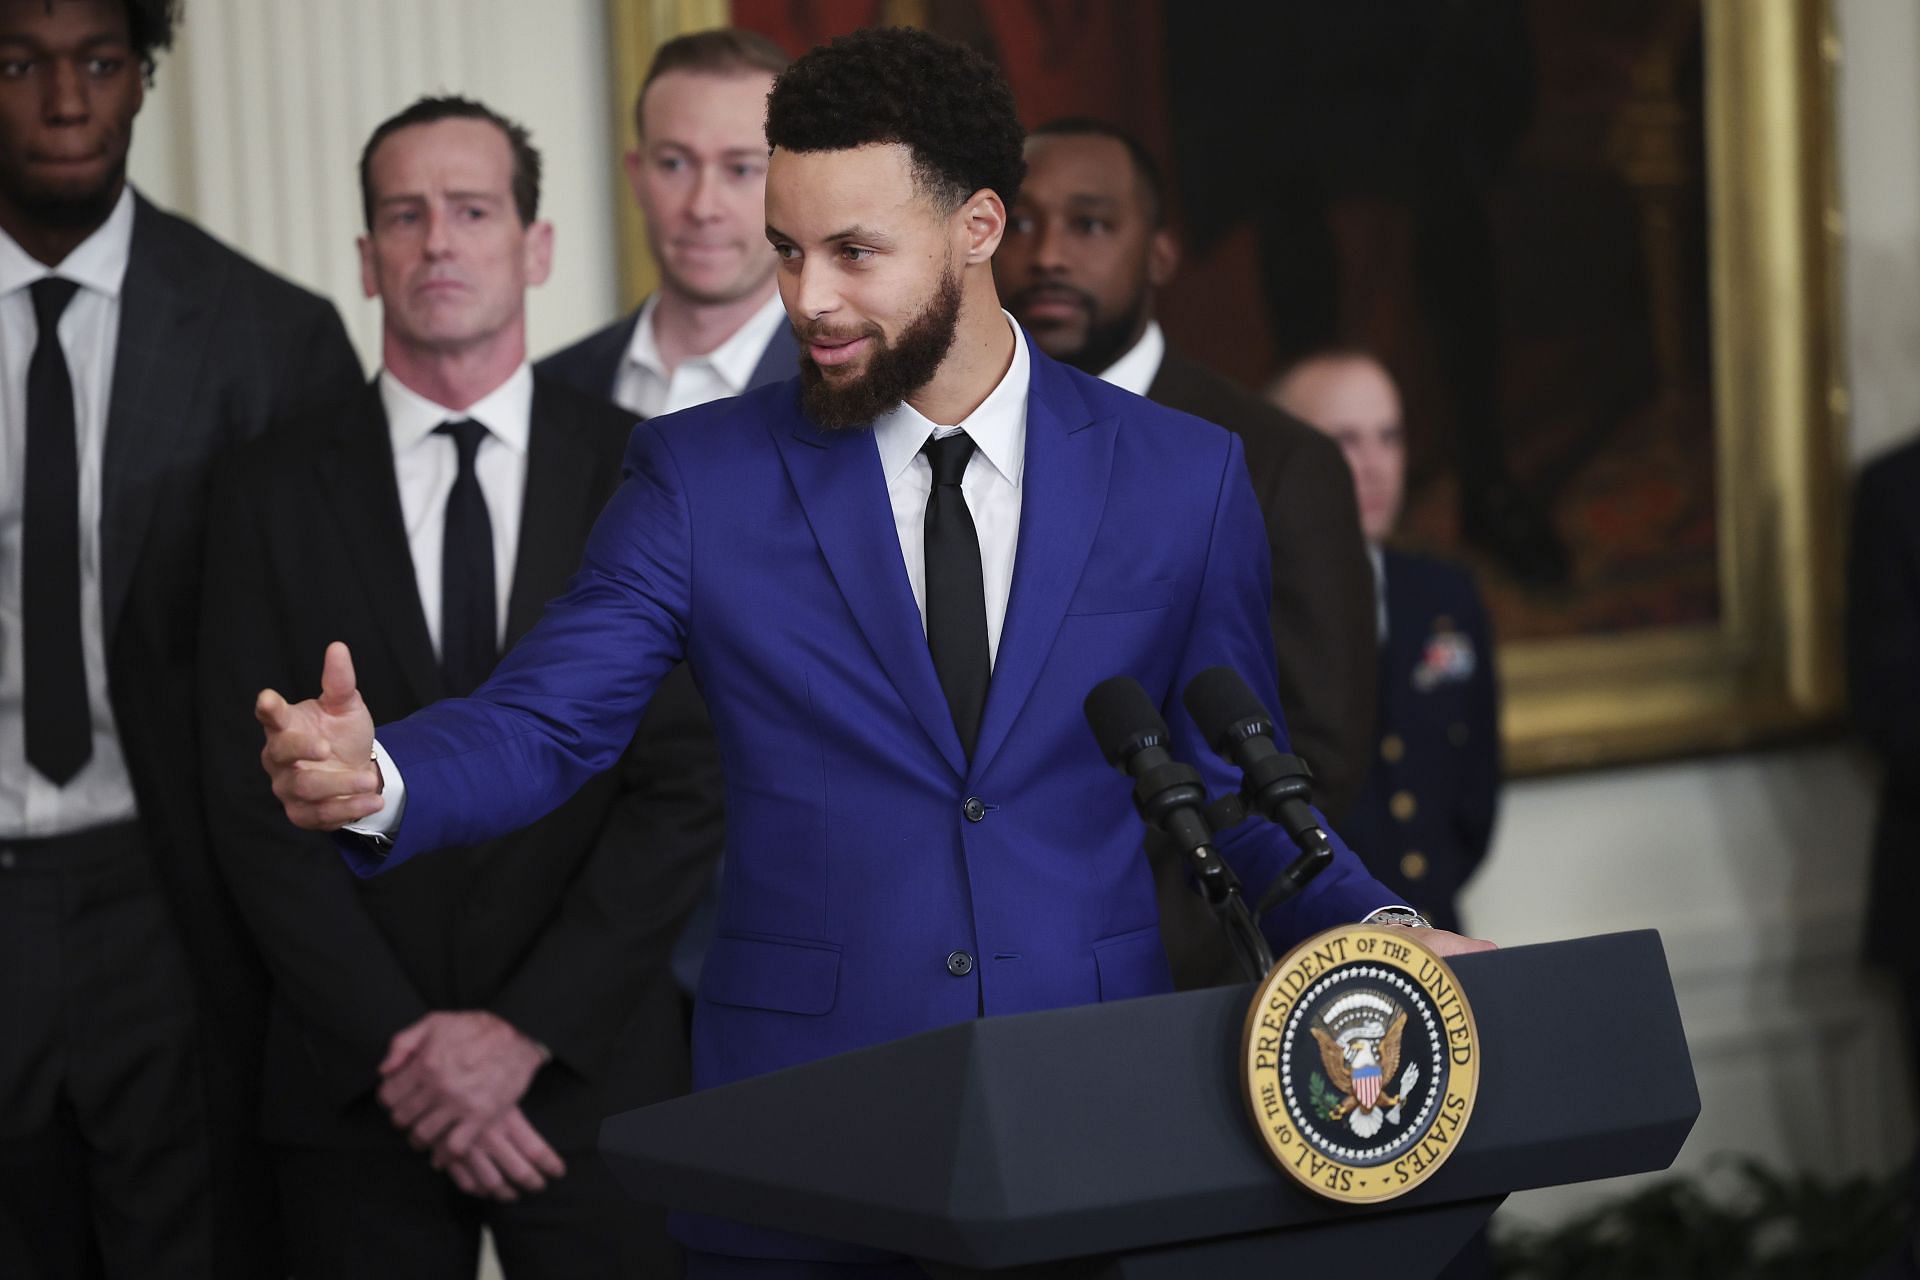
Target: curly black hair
[
  {"x": 944, "y": 102},
  {"x": 150, "y": 29}
]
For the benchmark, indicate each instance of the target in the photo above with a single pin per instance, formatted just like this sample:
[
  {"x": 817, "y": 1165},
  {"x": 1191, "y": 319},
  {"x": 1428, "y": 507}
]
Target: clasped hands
[{"x": 453, "y": 1083}]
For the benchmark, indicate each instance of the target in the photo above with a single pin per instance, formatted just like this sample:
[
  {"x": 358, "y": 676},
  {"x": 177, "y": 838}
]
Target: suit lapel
[
  {"x": 837, "y": 476},
  {"x": 559, "y": 505},
  {"x": 357, "y": 476},
  {"x": 164, "y": 322},
  {"x": 1064, "y": 490}
]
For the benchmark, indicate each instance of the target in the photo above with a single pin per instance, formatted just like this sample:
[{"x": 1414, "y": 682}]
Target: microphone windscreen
[
  {"x": 1122, "y": 717},
  {"x": 1217, "y": 699}
]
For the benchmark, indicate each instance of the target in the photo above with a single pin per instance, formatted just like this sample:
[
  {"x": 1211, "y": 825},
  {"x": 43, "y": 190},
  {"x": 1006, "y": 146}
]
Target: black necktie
[
  {"x": 468, "y": 649},
  {"x": 58, "y": 723},
  {"x": 956, "y": 601}
]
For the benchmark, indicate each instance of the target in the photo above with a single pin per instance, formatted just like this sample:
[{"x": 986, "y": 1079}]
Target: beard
[
  {"x": 895, "y": 370},
  {"x": 1107, "y": 337},
  {"x": 73, "y": 209}
]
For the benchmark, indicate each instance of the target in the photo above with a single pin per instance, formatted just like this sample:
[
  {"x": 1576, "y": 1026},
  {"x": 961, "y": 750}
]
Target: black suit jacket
[
  {"x": 1883, "y": 680},
  {"x": 592, "y": 365},
  {"x": 561, "y": 928},
  {"x": 212, "y": 349},
  {"x": 1324, "y": 628}
]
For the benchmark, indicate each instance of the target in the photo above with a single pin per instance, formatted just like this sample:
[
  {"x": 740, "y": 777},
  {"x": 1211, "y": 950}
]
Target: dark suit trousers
[
  {"x": 103, "y": 1157},
  {"x": 379, "y": 1213}
]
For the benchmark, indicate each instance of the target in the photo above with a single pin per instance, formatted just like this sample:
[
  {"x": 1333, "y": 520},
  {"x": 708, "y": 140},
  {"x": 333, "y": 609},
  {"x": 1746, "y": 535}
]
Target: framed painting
[{"x": 1596, "y": 245}]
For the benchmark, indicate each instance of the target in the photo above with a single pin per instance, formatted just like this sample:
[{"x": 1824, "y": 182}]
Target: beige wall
[{"x": 1750, "y": 865}]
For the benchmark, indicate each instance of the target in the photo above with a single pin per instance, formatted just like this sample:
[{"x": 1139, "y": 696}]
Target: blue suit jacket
[{"x": 764, "y": 550}]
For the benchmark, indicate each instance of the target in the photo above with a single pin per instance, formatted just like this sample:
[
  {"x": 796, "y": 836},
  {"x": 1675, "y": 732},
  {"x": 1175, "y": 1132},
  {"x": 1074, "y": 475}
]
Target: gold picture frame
[{"x": 1769, "y": 667}]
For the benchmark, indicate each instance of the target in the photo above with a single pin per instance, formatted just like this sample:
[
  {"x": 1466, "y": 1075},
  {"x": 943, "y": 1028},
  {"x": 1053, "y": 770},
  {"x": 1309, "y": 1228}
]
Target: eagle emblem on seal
[{"x": 1359, "y": 1038}]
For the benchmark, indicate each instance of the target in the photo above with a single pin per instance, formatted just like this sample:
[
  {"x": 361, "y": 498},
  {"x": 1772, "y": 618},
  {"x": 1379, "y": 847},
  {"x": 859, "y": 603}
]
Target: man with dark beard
[
  {"x": 1087, "y": 244},
  {"x": 132, "y": 348},
  {"x": 920, "y": 829}
]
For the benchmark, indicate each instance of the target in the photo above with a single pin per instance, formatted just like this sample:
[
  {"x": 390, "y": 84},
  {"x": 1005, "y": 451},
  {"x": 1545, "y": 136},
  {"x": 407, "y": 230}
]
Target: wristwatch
[{"x": 1402, "y": 917}]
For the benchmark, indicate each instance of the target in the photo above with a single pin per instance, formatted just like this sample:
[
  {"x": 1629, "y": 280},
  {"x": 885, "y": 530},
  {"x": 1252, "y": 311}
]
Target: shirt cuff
[{"x": 386, "y": 820}]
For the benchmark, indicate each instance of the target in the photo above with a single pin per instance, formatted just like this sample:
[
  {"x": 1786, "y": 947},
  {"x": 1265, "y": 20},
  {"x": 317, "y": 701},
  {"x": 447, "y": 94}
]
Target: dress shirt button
[
  {"x": 959, "y": 964},
  {"x": 7, "y": 859},
  {"x": 1413, "y": 864},
  {"x": 976, "y": 809},
  {"x": 1403, "y": 806},
  {"x": 1392, "y": 748}
]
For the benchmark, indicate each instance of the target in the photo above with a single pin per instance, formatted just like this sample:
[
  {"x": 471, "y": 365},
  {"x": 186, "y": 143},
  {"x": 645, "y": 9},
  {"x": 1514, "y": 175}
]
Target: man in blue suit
[{"x": 896, "y": 580}]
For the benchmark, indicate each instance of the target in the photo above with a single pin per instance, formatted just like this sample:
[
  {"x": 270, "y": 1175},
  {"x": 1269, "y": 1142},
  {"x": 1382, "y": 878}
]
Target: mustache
[
  {"x": 817, "y": 331},
  {"x": 1052, "y": 289}
]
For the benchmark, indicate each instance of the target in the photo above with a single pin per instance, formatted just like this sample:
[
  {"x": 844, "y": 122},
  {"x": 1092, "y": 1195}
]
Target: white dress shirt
[
  {"x": 426, "y": 465},
  {"x": 991, "y": 486},
  {"x": 1136, "y": 370},
  {"x": 644, "y": 386},
  {"x": 102, "y": 792}
]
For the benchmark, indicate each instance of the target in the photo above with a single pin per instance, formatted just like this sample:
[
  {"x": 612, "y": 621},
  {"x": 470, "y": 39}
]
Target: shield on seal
[{"x": 1366, "y": 1085}]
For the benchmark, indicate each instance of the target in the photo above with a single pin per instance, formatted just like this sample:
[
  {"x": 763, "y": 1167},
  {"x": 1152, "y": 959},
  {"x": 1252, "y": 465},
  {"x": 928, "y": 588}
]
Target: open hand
[{"x": 319, "y": 753}]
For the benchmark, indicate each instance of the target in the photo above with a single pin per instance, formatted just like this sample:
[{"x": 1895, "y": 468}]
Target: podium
[{"x": 1114, "y": 1140}]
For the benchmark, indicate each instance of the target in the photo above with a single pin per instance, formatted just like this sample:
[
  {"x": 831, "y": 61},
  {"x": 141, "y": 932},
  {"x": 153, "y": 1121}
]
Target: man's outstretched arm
[{"x": 557, "y": 710}]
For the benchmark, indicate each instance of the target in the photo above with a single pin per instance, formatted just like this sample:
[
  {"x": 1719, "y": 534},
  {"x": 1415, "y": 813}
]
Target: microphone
[
  {"x": 1168, "y": 794},
  {"x": 1275, "y": 784},
  {"x": 1172, "y": 799}
]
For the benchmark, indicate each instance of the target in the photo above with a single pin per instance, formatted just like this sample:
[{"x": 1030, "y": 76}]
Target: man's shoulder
[
  {"x": 289, "y": 446},
  {"x": 1275, "y": 440},
  {"x": 1434, "y": 581},
  {"x": 202, "y": 258},
  {"x": 591, "y": 363}
]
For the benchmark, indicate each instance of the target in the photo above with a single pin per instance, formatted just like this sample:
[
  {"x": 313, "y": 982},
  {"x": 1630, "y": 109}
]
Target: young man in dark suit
[
  {"x": 488, "y": 1010},
  {"x": 133, "y": 349},
  {"x": 1425, "y": 816},
  {"x": 1086, "y": 246},
  {"x": 714, "y": 327}
]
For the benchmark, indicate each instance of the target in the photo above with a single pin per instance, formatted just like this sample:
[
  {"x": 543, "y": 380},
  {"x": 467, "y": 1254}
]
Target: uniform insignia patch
[{"x": 1447, "y": 659}]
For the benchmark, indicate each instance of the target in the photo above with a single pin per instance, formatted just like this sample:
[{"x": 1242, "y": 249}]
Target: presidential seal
[{"x": 1360, "y": 1062}]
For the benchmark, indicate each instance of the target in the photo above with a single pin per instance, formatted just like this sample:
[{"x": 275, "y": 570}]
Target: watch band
[{"x": 1402, "y": 917}]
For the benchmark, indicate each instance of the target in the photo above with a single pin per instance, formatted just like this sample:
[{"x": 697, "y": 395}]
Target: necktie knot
[
  {"x": 949, "y": 456},
  {"x": 51, "y": 295},
  {"x": 466, "y": 435}
]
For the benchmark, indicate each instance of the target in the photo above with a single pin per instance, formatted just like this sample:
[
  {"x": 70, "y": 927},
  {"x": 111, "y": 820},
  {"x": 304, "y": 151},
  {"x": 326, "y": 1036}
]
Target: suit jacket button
[
  {"x": 1413, "y": 864},
  {"x": 975, "y": 808},
  {"x": 7, "y": 859},
  {"x": 1403, "y": 806},
  {"x": 1392, "y": 748},
  {"x": 959, "y": 964}
]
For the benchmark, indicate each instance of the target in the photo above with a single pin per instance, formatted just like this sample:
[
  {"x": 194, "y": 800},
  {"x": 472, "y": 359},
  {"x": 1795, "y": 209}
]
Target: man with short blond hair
[{"x": 714, "y": 327}]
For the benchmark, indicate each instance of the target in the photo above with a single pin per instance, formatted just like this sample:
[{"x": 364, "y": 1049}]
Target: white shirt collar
[
  {"x": 998, "y": 427},
  {"x": 98, "y": 263},
  {"x": 1136, "y": 370},
  {"x": 506, "y": 411},
  {"x": 734, "y": 360}
]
